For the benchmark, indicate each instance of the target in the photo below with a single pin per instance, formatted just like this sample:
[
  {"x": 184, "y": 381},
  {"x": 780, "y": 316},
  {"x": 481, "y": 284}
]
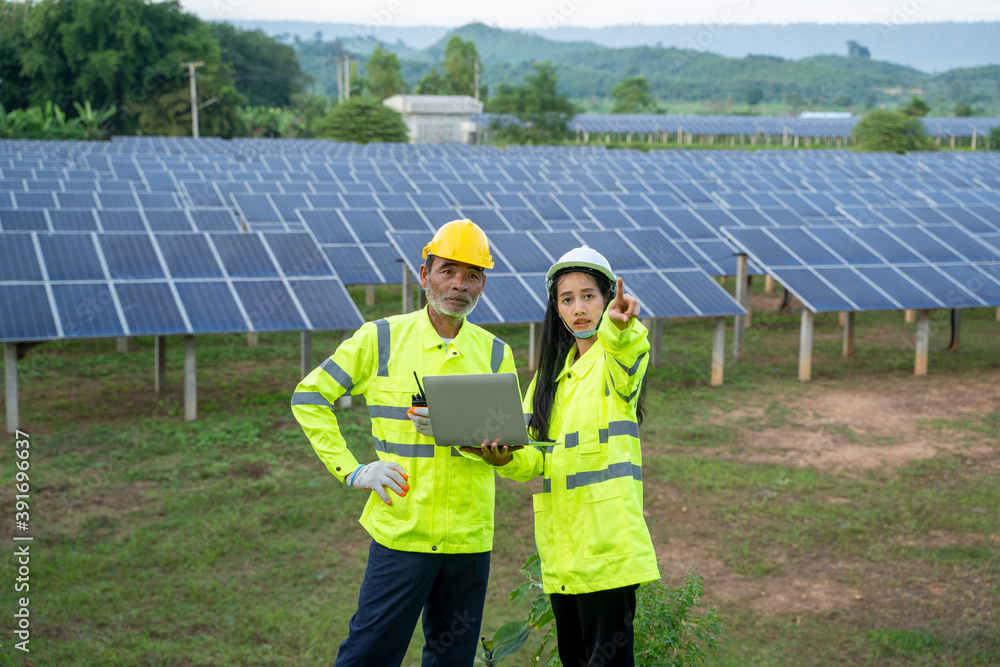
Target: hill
[{"x": 928, "y": 47}]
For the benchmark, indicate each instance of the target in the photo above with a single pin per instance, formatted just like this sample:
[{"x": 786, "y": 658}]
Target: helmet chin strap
[{"x": 589, "y": 333}]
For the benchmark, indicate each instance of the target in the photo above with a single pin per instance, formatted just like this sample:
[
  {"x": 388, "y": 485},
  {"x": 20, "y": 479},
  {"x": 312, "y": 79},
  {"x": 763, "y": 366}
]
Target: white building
[{"x": 438, "y": 119}]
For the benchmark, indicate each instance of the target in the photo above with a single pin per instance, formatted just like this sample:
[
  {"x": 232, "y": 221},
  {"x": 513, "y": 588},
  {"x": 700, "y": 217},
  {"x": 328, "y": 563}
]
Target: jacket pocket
[
  {"x": 591, "y": 422},
  {"x": 605, "y": 528}
]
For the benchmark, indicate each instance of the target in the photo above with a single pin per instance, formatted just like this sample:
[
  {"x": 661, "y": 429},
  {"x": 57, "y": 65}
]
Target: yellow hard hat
[{"x": 461, "y": 241}]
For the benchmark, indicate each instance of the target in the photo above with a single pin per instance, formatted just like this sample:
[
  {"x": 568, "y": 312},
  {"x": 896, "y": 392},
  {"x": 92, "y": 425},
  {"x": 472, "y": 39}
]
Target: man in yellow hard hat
[{"x": 430, "y": 510}]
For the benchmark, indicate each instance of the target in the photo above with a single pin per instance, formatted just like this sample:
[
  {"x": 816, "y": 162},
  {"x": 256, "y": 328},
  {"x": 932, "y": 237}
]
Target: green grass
[{"x": 224, "y": 541}]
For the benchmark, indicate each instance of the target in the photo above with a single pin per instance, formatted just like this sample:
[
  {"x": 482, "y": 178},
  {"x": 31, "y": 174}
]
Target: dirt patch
[
  {"x": 868, "y": 428},
  {"x": 680, "y": 537}
]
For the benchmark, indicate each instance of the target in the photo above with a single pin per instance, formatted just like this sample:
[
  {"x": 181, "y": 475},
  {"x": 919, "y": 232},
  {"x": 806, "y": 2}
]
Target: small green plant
[{"x": 669, "y": 631}]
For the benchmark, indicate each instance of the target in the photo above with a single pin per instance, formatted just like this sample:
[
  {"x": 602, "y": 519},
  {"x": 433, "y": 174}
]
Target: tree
[
  {"x": 459, "y": 65},
  {"x": 994, "y": 138},
  {"x": 433, "y": 83},
  {"x": 127, "y": 54},
  {"x": 14, "y": 87},
  {"x": 632, "y": 96},
  {"x": 916, "y": 108},
  {"x": 542, "y": 113},
  {"x": 856, "y": 50},
  {"x": 458, "y": 70},
  {"x": 753, "y": 95},
  {"x": 362, "y": 120},
  {"x": 383, "y": 74},
  {"x": 266, "y": 72},
  {"x": 881, "y": 130},
  {"x": 963, "y": 110}
]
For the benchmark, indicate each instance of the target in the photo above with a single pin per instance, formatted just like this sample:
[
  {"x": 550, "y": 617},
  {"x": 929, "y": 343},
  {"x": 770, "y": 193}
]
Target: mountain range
[{"x": 927, "y": 47}]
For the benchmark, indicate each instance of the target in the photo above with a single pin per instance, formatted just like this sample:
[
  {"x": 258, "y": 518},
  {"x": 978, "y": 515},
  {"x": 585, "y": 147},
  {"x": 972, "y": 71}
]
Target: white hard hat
[{"x": 584, "y": 259}]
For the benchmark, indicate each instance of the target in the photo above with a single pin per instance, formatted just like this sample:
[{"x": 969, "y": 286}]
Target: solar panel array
[
  {"x": 653, "y": 268},
  {"x": 944, "y": 127},
  {"x": 851, "y": 268},
  {"x": 103, "y": 284},
  {"x": 350, "y": 200}
]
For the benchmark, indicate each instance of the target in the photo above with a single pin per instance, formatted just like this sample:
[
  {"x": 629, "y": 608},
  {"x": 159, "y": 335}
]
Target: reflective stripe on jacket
[
  {"x": 449, "y": 508},
  {"x": 589, "y": 527}
]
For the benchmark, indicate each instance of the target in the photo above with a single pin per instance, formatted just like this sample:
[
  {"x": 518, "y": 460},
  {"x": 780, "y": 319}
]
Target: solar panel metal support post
[
  {"x": 369, "y": 295},
  {"x": 159, "y": 363},
  {"x": 534, "y": 344},
  {"x": 190, "y": 381},
  {"x": 718, "y": 351},
  {"x": 848, "y": 325},
  {"x": 923, "y": 341},
  {"x": 407, "y": 289},
  {"x": 121, "y": 344},
  {"x": 252, "y": 340},
  {"x": 956, "y": 329},
  {"x": 305, "y": 354},
  {"x": 806, "y": 346},
  {"x": 738, "y": 320},
  {"x": 910, "y": 316},
  {"x": 10, "y": 385}
]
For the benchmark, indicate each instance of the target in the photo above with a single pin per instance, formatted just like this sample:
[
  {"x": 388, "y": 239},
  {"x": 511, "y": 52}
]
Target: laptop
[{"x": 469, "y": 409}]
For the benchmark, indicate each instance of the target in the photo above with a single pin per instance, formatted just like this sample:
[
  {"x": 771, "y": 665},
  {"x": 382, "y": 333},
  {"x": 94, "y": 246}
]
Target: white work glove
[
  {"x": 379, "y": 476},
  {"x": 421, "y": 418}
]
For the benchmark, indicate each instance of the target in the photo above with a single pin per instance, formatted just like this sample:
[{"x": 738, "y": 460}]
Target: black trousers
[{"x": 595, "y": 629}]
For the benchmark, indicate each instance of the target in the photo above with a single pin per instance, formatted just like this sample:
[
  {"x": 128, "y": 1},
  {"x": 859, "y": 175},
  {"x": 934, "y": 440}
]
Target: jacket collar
[
  {"x": 431, "y": 338},
  {"x": 584, "y": 363}
]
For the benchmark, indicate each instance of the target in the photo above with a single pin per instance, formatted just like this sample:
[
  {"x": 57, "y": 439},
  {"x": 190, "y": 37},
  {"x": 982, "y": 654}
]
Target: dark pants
[
  {"x": 595, "y": 629},
  {"x": 450, "y": 589}
]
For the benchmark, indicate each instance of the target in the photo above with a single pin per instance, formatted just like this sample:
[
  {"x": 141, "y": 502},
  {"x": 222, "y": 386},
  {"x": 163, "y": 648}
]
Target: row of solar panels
[
  {"x": 769, "y": 125},
  {"x": 117, "y": 284},
  {"x": 872, "y": 268}
]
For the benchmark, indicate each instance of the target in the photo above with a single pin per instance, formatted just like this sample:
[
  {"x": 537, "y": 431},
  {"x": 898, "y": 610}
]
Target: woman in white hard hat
[{"x": 584, "y": 408}]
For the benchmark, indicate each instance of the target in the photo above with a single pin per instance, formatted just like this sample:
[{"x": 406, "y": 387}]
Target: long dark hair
[{"x": 556, "y": 343}]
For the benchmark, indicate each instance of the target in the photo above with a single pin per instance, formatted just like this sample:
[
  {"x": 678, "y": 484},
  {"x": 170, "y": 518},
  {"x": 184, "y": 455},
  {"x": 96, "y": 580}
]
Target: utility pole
[
  {"x": 194, "y": 93},
  {"x": 476, "y": 93},
  {"x": 347, "y": 76}
]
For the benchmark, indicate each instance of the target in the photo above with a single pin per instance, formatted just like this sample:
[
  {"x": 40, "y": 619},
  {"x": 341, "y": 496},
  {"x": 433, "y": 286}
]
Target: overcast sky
[{"x": 595, "y": 13}]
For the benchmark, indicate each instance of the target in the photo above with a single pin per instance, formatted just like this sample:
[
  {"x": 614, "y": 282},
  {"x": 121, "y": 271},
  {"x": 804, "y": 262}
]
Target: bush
[
  {"x": 669, "y": 631},
  {"x": 362, "y": 120},
  {"x": 881, "y": 130},
  {"x": 50, "y": 122}
]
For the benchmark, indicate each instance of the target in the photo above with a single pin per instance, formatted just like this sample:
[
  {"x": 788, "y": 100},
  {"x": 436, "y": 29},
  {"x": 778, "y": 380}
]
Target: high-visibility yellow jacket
[
  {"x": 449, "y": 508},
  {"x": 589, "y": 527}
]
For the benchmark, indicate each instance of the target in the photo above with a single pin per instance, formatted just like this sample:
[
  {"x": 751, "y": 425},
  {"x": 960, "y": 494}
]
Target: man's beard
[{"x": 446, "y": 308}]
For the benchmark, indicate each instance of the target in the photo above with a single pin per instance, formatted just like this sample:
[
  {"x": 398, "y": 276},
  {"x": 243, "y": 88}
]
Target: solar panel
[
  {"x": 87, "y": 310},
  {"x": 25, "y": 313},
  {"x": 243, "y": 255},
  {"x": 71, "y": 257},
  {"x": 150, "y": 308},
  {"x": 23, "y": 220},
  {"x": 70, "y": 220},
  {"x": 130, "y": 256},
  {"x": 188, "y": 256},
  {"x": 211, "y": 306},
  {"x": 269, "y": 305},
  {"x": 352, "y": 265},
  {"x": 327, "y": 304},
  {"x": 18, "y": 259},
  {"x": 297, "y": 254},
  {"x": 211, "y": 220}
]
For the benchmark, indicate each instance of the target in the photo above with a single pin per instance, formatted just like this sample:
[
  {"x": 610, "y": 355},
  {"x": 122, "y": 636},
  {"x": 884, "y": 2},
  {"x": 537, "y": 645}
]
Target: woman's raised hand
[{"x": 624, "y": 307}]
